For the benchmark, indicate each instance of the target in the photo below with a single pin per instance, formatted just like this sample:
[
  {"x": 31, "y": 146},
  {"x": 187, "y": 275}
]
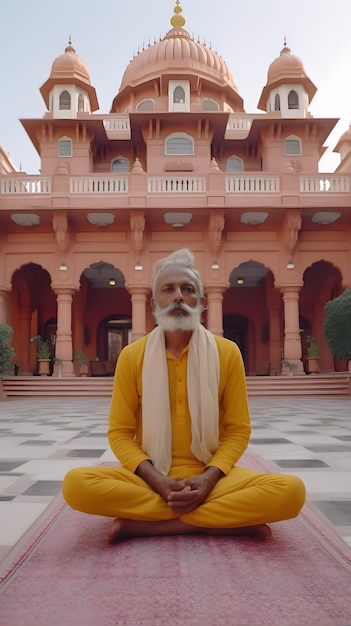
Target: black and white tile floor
[{"x": 42, "y": 438}]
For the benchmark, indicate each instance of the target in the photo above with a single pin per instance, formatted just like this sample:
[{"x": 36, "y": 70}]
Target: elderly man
[{"x": 179, "y": 422}]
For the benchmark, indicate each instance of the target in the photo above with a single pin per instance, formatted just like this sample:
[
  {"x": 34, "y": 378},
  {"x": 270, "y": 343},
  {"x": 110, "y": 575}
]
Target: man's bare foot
[
  {"x": 125, "y": 528},
  {"x": 115, "y": 532},
  {"x": 261, "y": 531}
]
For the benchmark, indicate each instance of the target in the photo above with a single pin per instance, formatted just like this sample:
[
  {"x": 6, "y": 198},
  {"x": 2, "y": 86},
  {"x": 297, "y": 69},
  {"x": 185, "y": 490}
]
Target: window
[
  {"x": 120, "y": 165},
  {"x": 209, "y": 105},
  {"x": 293, "y": 100},
  {"x": 234, "y": 164},
  {"x": 179, "y": 95},
  {"x": 293, "y": 146},
  {"x": 179, "y": 144},
  {"x": 145, "y": 105},
  {"x": 80, "y": 103},
  {"x": 65, "y": 147},
  {"x": 277, "y": 102},
  {"x": 65, "y": 101}
]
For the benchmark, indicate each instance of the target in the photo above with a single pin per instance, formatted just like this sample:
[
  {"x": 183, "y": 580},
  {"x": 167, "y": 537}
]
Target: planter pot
[
  {"x": 44, "y": 367},
  {"x": 312, "y": 363},
  {"x": 340, "y": 366}
]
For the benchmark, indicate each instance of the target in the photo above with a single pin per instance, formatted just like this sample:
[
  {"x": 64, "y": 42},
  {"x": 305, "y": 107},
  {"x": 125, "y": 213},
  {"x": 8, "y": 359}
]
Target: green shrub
[
  {"x": 337, "y": 325},
  {"x": 7, "y": 352}
]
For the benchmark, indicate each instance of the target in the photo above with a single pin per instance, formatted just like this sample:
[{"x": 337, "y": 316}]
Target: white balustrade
[
  {"x": 99, "y": 185},
  {"x": 239, "y": 123},
  {"x": 25, "y": 185},
  {"x": 252, "y": 184},
  {"x": 117, "y": 124},
  {"x": 321, "y": 184},
  {"x": 176, "y": 184}
]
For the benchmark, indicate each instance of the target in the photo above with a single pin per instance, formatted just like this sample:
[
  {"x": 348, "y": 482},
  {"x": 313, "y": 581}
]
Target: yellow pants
[{"x": 242, "y": 498}]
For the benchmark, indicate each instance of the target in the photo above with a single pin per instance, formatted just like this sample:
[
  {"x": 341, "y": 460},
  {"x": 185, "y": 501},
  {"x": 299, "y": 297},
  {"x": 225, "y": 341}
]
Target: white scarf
[{"x": 202, "y": 382}]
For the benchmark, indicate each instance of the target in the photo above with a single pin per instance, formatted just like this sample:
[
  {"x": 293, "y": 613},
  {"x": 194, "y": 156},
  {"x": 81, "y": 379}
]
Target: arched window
[
  {"x": 65, "y": 101},
  {"x": 120, "y": 165},
  {"x": 145, "y": 105},
  {"x": 277, "y": 102},
  {"x": 293, "y": 100},
  {"x": 179, "y": 143},
  {"x": 209, "y": 105},
  {"x": 80, "y": 103},
  {"x": 234, "y": 164},
  {"x": 65, "y": 147},
  {"x": 293, "y": 146},
  {"x": 179, "y": 95}
]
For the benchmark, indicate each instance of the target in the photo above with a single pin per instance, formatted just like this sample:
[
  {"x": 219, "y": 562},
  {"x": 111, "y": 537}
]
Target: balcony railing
[
  {"x": 324, "y": 183},
  {"x": 239, "y": 123},
  {"x": 117, "y": 124},
  {"x": 235, "y": 183},
  {"x": 176, "y": 184},
  {"x": 252, "y": 184},
  {"x": 27, "y": 185},
  {"x": 99, "y": 185}
]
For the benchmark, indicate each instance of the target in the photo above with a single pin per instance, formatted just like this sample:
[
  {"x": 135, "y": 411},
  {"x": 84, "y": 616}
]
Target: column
[
  {"x": 214, "y": 296},
  {"x": 63, "y": 346},
  {"x": 275, "y": 347},
  {"x": 292, "y": 336},
  {"x": 138, "y": 298}
]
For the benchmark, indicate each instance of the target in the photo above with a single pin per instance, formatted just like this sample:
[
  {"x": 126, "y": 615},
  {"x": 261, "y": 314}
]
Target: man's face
[{"x": 177, "y": 303}]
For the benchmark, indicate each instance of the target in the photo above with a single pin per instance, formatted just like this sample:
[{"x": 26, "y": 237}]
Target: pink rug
[{"x": 67, "y": 575}]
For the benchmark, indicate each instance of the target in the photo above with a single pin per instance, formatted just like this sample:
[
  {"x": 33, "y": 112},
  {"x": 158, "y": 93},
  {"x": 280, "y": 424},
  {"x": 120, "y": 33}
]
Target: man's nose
[{"x": 178, "y": 295}]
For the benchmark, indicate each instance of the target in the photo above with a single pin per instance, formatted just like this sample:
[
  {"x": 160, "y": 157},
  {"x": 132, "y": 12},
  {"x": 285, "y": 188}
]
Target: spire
[
  {"x": 177, "y": 19},
  {"x": 286, "y": 49}
]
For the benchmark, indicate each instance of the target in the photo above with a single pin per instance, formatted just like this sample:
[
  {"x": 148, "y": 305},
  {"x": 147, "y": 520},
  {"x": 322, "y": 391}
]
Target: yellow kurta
[{"x": 242, "y": 497}]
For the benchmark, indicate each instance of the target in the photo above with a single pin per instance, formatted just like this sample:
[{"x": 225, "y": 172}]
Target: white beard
[{"x": 171, "y": 323}]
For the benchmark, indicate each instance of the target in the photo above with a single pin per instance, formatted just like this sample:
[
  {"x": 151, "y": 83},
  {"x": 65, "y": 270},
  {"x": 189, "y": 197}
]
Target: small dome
[
  {"x": 286, "y": 69},
  {"x": 69, "y": 68},
  {"x": 70, "y": 65},
  {"x": 286, "y": 65}
]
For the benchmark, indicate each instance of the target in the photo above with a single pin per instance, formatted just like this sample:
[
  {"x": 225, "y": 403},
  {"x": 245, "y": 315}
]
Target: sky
[{"x": 106, "y": 34}]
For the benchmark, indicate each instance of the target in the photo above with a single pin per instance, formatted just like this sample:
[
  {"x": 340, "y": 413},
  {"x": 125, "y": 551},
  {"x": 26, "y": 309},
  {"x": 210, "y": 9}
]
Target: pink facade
[{"x": 176, "y": 163}]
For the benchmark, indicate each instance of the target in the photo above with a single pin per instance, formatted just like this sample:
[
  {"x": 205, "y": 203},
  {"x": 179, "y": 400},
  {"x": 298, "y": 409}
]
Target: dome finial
[{"x": 177, "y": 19}]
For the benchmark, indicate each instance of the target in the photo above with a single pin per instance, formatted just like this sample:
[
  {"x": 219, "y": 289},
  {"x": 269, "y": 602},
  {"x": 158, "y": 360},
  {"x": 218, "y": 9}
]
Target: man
[{"x": 179, "y": 422}]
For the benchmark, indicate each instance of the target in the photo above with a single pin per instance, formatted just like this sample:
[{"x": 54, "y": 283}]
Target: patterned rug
[{"x": 66, "y": 575}]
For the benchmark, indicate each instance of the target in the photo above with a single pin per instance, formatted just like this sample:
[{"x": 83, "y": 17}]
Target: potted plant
[
  {"x": 7, "y": 352},
  {"x": 313, "y": 354},
  {"x": 43, "y": 355},
  {"x": 337, "y": 328},
  {"x": 287, "y": 367},
  {"x": 82, "y": 360}
]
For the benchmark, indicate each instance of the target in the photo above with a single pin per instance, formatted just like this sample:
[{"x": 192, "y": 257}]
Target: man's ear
[
  {"x": 153, "y": 304},
  {"x": 204, "y": 303}
]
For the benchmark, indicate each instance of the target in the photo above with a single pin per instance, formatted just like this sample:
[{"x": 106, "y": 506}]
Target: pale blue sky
[{"x": 248, "y": 34}]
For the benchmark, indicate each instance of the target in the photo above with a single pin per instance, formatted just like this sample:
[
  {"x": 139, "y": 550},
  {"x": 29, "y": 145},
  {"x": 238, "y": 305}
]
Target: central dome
[{"x": 177, "y": 52}]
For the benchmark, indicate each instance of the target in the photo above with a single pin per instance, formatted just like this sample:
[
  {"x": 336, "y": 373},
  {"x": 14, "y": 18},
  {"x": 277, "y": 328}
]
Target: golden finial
[{"x": 177, "y": 19}]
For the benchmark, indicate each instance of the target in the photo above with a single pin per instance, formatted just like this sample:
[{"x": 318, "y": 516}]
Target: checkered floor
[{"x": 42, "y": 438}]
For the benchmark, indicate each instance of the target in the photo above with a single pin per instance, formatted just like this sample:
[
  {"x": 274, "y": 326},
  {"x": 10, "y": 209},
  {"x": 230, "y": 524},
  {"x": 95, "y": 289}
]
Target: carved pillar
[
  {"x": 214, "y": 296},
  {"x": 137, "y": 227},
  {"x": 274, "y": 341},
  {"x": 292, "y": 336},
  {"x": 63, "y": 347},
  {"x": 138, "y": 297},
  {"x": 215, "y": 229}
]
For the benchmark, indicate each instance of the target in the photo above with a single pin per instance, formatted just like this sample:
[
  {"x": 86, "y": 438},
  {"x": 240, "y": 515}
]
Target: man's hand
[
  {"x": 182, "y": 496},
  {"x": 194, "y": 492}
]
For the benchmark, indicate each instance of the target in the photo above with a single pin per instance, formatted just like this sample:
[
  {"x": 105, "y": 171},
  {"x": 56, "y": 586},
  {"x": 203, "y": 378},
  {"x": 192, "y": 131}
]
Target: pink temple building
[{"x": 177, "y": 162}]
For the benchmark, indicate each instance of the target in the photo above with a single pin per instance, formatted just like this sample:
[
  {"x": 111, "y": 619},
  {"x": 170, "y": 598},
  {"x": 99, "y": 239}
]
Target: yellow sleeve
[
  {"x": 234, "y": 417},
  {"x": 124, "y": 433}
]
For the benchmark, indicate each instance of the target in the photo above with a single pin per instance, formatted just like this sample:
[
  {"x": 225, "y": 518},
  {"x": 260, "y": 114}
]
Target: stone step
[{"x": 320, "y": 384}]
